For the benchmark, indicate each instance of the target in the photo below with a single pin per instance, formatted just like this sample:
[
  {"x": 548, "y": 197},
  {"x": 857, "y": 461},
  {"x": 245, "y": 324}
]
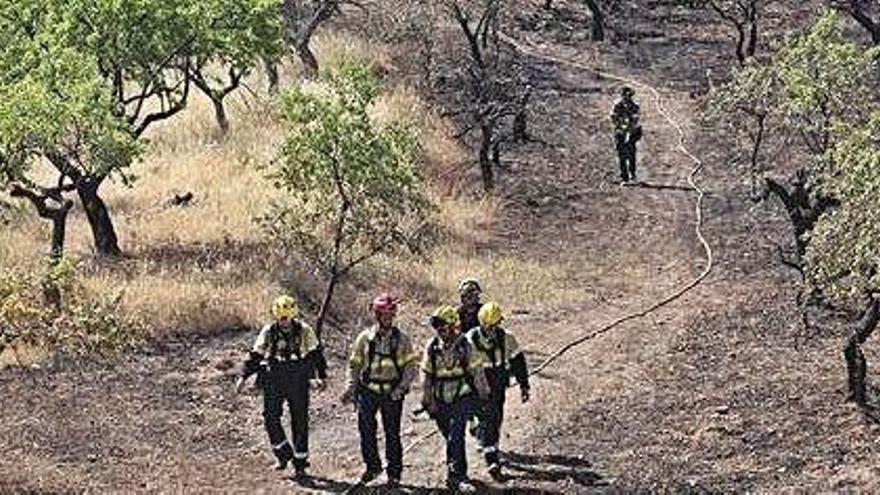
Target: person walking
[
  {"x": 453, "y": 379},
  {"x": 287, "y": 359},
  {"x": 501, "y": 356},
  {"x": 469, "y": 291},
  {"x": 382, "y": 367},
  {"x": 627, "y": 132}
]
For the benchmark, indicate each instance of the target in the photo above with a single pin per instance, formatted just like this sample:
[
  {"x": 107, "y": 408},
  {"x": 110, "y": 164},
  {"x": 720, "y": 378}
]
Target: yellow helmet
[
  {"x": 490, "y": 315},
  {"x": 284, "y": 307},
  {"x": 444, "y": 315}
]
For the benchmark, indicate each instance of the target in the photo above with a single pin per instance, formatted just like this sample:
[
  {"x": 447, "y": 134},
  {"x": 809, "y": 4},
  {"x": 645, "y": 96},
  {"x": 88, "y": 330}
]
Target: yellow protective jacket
[
  {"x": 500, "y": 354},
  {"x": 289, "y": 350},
  {"x": 452, "y": 372},
  {"x": 382, "y": 362}
]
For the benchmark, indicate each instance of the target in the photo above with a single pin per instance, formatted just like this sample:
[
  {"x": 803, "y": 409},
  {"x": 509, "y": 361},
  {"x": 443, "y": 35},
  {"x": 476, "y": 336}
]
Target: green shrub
[{"x": 89, "y": 322}]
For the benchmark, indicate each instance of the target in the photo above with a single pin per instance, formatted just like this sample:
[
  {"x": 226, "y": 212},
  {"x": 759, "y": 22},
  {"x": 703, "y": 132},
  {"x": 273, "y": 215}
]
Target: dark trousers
[
  {"x": 452, "y": 420},
  {"x": 626, "y": 154},
  {"x": 490, "y": 414},
  {"x": 276, "y": 393},
  {"x": 369, "y": 403}
]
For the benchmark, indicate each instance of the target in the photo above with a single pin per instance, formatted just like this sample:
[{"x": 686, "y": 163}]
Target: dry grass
[
  {"x": 207, "y": 266},
  {"x": 334, "y": 48}
]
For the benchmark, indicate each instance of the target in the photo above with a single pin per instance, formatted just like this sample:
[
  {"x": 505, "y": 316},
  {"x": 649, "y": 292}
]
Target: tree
[
  {"x": 301, "y": 19},
  {"x": 53, "y": 108},
  {"x": 494, "y": 87},
  {"x": 598, "y": 23},
  {"x": 237, "y": 37},
  {"x": 144, "y": 54},
  {"x": 819, "y": 89},
  {"x": 353, "y": 183},
  {"x": 597, "y": 13},
  {"x": 817, "y": 79},
  {"x": 743, "y": 16},
  {"x": 141, "y": 54},
  {"x": 745, "y": 105},
  {"x": 844, "y": 250},
  {"x": 865, "y": 12}
]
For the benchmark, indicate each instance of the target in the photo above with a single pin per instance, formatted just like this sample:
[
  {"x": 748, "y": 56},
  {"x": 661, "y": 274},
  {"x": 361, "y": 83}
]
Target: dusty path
[{"x": 168, "y": 422}]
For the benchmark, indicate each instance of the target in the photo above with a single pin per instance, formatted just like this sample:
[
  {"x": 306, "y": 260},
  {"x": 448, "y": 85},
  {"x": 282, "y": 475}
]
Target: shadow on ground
[{"x": 552, "y": 468}]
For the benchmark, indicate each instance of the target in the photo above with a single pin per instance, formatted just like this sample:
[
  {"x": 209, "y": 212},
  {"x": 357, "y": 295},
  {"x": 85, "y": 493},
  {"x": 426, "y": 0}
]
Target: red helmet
[{"x": 384, "y": 303}]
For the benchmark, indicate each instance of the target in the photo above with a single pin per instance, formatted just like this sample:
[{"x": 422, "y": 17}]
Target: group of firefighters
[
  {"x": 466, "y": 369},
  {"x": 466, "y": 366}
]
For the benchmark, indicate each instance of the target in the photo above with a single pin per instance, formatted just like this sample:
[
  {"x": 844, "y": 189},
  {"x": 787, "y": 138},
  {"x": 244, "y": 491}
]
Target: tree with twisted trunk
[{"x": 127, "y": 65}]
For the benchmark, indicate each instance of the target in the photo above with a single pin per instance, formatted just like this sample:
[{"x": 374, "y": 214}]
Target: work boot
[
  {"x": 495, "y": 472},
  {"x": 369, "y": 475},
  {"x": 299, "y": 473},
  {"x": 393, "y": 484},
  {"x": 281, "y": 465},
  {"x": 461, "y": 486}
]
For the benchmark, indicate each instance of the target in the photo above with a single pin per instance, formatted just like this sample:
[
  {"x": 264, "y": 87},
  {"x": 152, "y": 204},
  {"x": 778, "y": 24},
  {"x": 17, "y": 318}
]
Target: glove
[
  {"x": 526, "y": 394},
  {"x": 317, "y": 384},
  {"x": 397, "y": 394},
  {"x": 239, "y": 384}
]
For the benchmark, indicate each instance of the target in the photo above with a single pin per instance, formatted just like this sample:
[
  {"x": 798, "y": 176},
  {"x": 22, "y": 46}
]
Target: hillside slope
[{"x": 723, "y": 390}]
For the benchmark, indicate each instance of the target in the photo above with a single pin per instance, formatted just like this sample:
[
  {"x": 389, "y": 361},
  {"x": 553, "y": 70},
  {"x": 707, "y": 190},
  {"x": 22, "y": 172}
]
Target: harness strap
[
  {"x": 464, "y": 379},
  {"x": 293, "y": 341},
  {"x": 496, "y": 343},
  {"x": 372, "y": 352}
]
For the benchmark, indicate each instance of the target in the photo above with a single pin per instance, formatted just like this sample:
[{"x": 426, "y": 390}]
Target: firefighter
[
  {"x": 383, "y": 365},
  {"x": 627, "y": 132},
  {"x": 453, "y": 379},
  {"x": 469, "y": 291},
  {"x": 500, "y": 354},
  {"x": 287, "y": 359}
]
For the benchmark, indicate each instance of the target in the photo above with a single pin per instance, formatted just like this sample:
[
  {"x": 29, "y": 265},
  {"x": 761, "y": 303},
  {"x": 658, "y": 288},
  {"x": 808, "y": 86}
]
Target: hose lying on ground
[{"x": 698, "y": 166}]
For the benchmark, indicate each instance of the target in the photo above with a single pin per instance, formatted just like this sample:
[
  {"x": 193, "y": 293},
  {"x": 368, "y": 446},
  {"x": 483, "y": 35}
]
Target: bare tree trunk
[
  {"x": 803, "y": 210},
  {"x": 743, "y": 17},
  {"x": 310, "y": 62},
  {"x": 220, "y": 116},
  {"x": 325, "y": 303},
  {"x": 752, "y": 45},
  {"x": 520, "y": 123},
  {"x": 57, "y": 213},
  {"x": 757, "y": 143},
  {"x": 217, "y": 95},
  {"x": 598, "y": 25},
  {"x": 103, "y": 232},
  {"x": 856, "y": 365},
  {"x": 486, "y": 130},
  {"x": 301, "y": 23},
  {"x": 858, "y": 10},
  {"x": 272, "y": 76}
]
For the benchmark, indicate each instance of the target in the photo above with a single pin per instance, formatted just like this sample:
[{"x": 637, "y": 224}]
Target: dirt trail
[{"x": 168, "y": 422}]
